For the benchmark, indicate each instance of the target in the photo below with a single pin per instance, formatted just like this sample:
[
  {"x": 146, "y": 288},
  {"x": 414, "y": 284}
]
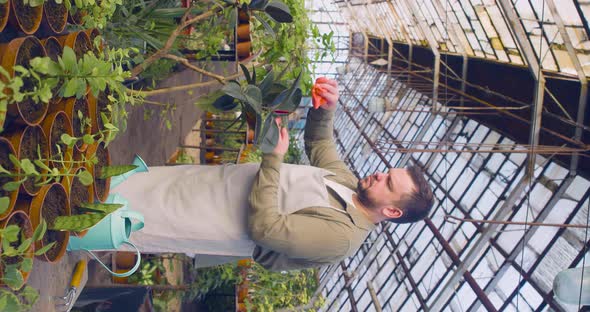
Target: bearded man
[{"x": 283, "y": 216}]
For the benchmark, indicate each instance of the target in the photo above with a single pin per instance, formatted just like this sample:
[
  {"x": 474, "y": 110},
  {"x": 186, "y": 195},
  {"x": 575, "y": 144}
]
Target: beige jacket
[{"x": 313, "y": 236}]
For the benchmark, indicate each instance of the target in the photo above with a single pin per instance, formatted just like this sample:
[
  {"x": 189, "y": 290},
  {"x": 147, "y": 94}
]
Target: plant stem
[
  {"x": 186, "y": 63},
  {"x": 185, "y": 22},
  {"x": 180, "y": 88}
]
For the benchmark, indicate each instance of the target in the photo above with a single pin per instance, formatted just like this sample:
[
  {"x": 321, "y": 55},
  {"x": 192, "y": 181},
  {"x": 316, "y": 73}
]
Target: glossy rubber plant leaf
[
  {"x": 279, "y": 12},
  {"x": 271, "y": 135}
]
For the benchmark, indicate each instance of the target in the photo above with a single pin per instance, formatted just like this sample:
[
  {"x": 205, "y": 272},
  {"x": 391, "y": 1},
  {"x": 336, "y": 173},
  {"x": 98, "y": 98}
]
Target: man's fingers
[
  {"x": 331, "y": 98},
  {"x": 278, "y": 120},
  {"x": 328, "y": 88}
]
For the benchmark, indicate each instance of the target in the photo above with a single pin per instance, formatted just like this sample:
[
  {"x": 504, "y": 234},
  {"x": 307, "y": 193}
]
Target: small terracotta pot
[
  {"x": 50, "y": 127},
  {"x": 76, "y": 18},
  {"x": 93, "y": 150},
  {"x": 69, "y": 106},
  {"x": 243, "y": 16},
  {"x": 4, "y": 13},
  {"x": 25, "y": 17},
  {"x": 67, "y": 183},
  {"x": 243, "y": 32},
  {"x": 17, "y": 139},
  {"x": 79, "y": 41},
  {"x": 36, "y": 214},
  {"x": 93, "y": 33},
  {"x": 29, "y": 254},
  {"x": 243, "y": 49},
  {"x": 6, "y": 146},
  {"x": 54, "y": 24},
  {"x": 16, "y": 48}
]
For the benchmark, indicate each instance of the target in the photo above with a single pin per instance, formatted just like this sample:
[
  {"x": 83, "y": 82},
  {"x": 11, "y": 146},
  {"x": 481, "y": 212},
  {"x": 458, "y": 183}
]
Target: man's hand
[
  {"x": 283, "y": 143},
  {"x": 330, "y": 88}
]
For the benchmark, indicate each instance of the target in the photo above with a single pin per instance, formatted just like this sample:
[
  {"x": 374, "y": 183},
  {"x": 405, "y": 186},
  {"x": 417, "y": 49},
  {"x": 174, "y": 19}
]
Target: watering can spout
[{"x": 141, "y": 167}]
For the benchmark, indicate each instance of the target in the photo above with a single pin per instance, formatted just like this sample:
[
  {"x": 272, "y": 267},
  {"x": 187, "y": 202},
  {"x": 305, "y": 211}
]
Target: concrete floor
[{"x": 155, "y": 144}]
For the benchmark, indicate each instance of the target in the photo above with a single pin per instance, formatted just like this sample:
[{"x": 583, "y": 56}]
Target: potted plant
[
  {"x": 26, "y": 15},
  {"x": 18, "y": 240},
  {"x": 55, "y": 125},
  {"x": 51, "y": 202},
  {"x": 78, "y": 41},
  {"x": 7, "y": 197},
  {"x": 4, "y": 13},
  {"x": 30, "y": 93},
  {"x": 260, "y": 104},
  {"x": 55, "y": 16}
]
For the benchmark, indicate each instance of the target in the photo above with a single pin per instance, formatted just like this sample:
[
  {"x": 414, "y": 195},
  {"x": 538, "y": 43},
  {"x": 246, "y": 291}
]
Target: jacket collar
[{"x": 359, "y": 219}]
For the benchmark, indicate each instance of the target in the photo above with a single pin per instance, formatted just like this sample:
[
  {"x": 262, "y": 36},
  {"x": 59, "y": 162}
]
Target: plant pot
[
  {"x": 76, "y": 16},
  {"x": 243, "y": 32},
  {"x": 20, "y": 218},
  {"x": 78, "y": 193},
  {"x": 92, "y": 34},
  {"x": 24, "y": 17},
  {"x": 120, "y": 280},
  {"x": 99, "y": 105},
  {"x": 6, "y": 149},
  {"x": 55, "y": 16},
  {"x": 79, "y": 41},
  {"x": 19, "y": 52},
  {"x": 243, "y": 49},
  {"x": 25, "y": 144},
  {"x": 243, "y": 16},
  {"x": 54, "y": 125},
  {"x": 54, "y": 50},
  {"x": 125, "y": 259},
  {"x": 101, "y": 186},
  {"x": 51, "y": 202},
  {"x": 71, "y": 106},
  {"x": 4, "y": 13}
]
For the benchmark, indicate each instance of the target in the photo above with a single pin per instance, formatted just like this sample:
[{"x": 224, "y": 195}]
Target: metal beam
[
  {"x": 433, "y": 47},
  {"x": 581, "y": 75}
]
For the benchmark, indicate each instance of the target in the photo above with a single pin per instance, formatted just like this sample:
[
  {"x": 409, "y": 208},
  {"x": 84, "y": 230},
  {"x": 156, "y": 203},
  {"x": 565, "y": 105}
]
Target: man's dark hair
[{"x": 416, "y": 205}]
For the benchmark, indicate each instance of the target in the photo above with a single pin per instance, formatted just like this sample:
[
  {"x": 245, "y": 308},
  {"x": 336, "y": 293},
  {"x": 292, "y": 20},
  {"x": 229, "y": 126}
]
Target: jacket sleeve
[
  {"x": 294, "y": 235},
  {"x": 321, "y": 149}
]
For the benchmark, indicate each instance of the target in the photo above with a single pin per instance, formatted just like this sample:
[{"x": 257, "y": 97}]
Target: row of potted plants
[{"x": 48, "y": 17}]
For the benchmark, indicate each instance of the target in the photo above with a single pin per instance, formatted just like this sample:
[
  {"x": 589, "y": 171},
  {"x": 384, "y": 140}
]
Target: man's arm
[
  {"x": 319, "y": 140},
  {"x": 294, "y": 235}
]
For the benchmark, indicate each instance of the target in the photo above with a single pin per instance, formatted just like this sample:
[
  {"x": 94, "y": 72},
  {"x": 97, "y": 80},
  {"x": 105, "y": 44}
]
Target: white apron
[{"x": 203, "y": 209}]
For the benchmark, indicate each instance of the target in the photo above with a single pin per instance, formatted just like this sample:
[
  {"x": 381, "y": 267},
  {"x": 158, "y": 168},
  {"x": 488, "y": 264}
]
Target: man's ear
[{"x": 392, "y": 212}]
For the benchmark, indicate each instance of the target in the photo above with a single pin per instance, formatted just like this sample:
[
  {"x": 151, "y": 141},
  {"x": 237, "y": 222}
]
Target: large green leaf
[
  {"x": 246, "y": 73},
  {"x": 100, "y": 207},
  {"x": 44, "y": 249},
  {"x": 40, "y": 230},
  {"x": 234, "y": 89},
  {"x": 266, "y": 83},
  {"x": 279, "y": 12},
  {"x": 77, "y": 223},
  {"x": 291, "y": 103},
  {"x": 9, "y": 301},
  {"x": 225, "y": 103},
  {"x": 271, "y": 136},
  {"x": 254, "y": 98}
]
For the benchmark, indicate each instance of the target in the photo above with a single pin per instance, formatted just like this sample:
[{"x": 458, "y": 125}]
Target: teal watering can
[{"x": 116, "y": 228}]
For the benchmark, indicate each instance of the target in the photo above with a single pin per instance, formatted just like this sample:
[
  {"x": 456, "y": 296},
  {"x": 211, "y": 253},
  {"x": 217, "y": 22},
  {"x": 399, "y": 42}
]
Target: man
[
  {"x": 283, "y": 216},
  {"x": 327, "y": 233}
]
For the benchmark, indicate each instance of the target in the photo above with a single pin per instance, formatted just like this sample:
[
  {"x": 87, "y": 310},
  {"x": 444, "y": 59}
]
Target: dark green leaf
[
  {"x": 265, "y": 24},
  {"x": 77, "y": 223},
  {"x": 233, "y": 18},
  {"x": 13, "y": 278},
  {"x": 254, "y": 98},
  {"x": 225, "y": 103},
  {"x": 279, "y": 12},
  {"x": 246, "y": 73},
  {"x": 235, "y": 90},
  {"x": 258, "y": 128},
  {"x": 258, "y": 4},
  {"x": 266, "y": 83},
  {"x": 100, "y": 207},
  {"x": 271, "y": 136}
]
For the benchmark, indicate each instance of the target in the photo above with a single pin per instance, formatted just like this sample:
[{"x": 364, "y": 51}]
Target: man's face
[{"x": 381, "y": 190}]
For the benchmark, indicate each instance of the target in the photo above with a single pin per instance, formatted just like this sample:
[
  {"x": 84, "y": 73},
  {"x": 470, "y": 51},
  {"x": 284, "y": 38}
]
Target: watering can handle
[
  {"x": 136, "y": 215},
  {"x": 128, "y": 273}
]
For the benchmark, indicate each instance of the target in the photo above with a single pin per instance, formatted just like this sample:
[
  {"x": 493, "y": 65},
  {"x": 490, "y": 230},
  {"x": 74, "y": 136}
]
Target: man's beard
[{"x": 363, "y": 196}]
